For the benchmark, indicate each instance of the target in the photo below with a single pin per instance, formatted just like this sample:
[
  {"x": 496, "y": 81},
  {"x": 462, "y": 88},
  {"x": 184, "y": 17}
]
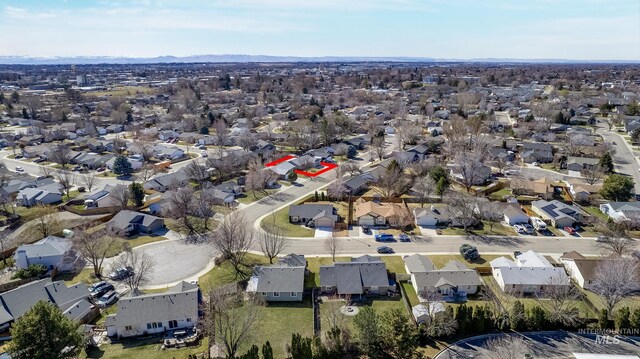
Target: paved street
[
  {"x": 557, "y": 344},
  {"x": 625, "y": 159}
]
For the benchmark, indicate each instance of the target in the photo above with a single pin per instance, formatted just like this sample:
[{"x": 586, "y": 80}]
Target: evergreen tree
[
  {"x": 442, "y": 186},
  {"x": 352, "y": 151},
  {"x": 137, "y": 193},
  {"x": 517, "y": 316},
  {"x": 537, "y": 318},
  {"x": 300, "y": 347},
  {"x": 622, "y": 319},
  {"x": 367, "y": 328},
  {"x": 603, "y": 319},
  {"x": 15, "y": 97},
  {"x": 462, "y": 318},
  {"x": 635, "y": 319},
  {"x": 204, "y": 130},
  {"x": 211, "y": 118},
  {"x": 618, "y": 188},
  {"x": 253, "y": 353},
  {"x": 25, "y": 114},
  {"x": 44, "y": 332},
  {"x": 401, "y": 337},
  {"x": 267, "y": 352},
  {"x": 479, "y": 317},
  {"x": 606, "y": 162},
  {"x": 292, "y": 177},
  {"x": 322, "y": 196},
  {"x": 315, "y": 197},
  {"x": 122, "y": 166}
]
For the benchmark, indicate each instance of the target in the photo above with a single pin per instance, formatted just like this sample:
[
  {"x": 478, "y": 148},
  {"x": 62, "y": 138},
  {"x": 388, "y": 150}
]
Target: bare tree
[
  {"x": 233, "y": 320},
  {"x": 45, "y": 170},
  {"x": 439, "y": 324},
  {"x": 424, "y": 187},
  {"x": 350, "y": 167},
  {"x": 470, "y": 167},
  {"x": 272, "y": 242},
  {"x": 575, "y": 145},
  {"x": 337, "y": 190},
  {"x": 559, "y": 297},
  {"x": 66, "y": 180},
  {"x": 615, "y": 279},
  {"x": 203, "y": 205},
  {"x": 505, "y": 347},
  {"x": 333, "y": 245},
  {"x": 392, "y": 182},
  {"x": 593, "y": 174},
  {"x": 197, "y": 171},
  {"x": 47, "y": 223},
  {"x": 94, "y": 246},
  {"x": 463, "y": 208},
  {"x": 617, "y": 244},
  {"x": 139, "y": 263},
  {"x": 88, "y": 180},
  {"x": 233, "y": 239},
  {"x": 146, "y": 172},
  {"x": 60, "y": 154},
  {"x": 378, "y": 146},
  {"x": 180, "y": 207},
  {"x": 121, "y": 196}
]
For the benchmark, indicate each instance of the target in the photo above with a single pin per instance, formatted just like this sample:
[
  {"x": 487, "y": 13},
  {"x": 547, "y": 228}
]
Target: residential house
[
  {"x": 369, "y": 213},
  {"x": 280, "y": 282},
  {"x": 536, "y": 152},
  {"x": 74, "y": 301},
  {"x": 559, "y": 214},
  {"x": 177, "y": 308},
  {"x": 405, "y": 158},
  {"x": 541, "y": 187},
  {"x": 41, "y": 151},
  {"x": 631, "y": 123},
  {"x": 264, "y": 149},
  {"x": 364, "y": 275},
  {"x": 166, "y": 181},
  {"x": 530, "y": 273},
  {"x": 582, "y": 191},
  {"x": 167, "y": 152},
  {"x": 358, "y": 183},
  {"x": 581, "y": 269},
  {"x": 321, "y": 215},
  {"x": 501, "y": 154},
  {"x": 130, "y": 222},
  {"x": 478, "y": 176},
  {"x": 432, "y": 216},
  {"x": 513, "y": 214},
  {"x": 452, "y": 282},
  {"x": 580, "y": 164},
  {"x": 358, "y": 142},
  {"x": 29, "y": 197},
  {"x": 621, "y": 211},
  {"x": 282, "y": 169},
  {"x": 52, "y": 252},
  {"x": 101, "y": 198}
]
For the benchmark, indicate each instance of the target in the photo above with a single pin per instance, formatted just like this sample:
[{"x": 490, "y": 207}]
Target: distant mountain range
[{"x": 92, "y": 60}]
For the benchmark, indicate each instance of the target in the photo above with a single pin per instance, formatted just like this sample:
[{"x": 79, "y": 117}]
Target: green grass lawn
[
  {"x": 280, "y": 219},
  {"x": 197, "y": 223},
  {"x": 498, "y": 195},
  {"x": 313, "y": 265},
  {"x": 145, "y": 348},
  {"x": 440, "y": 261},
  {"x": 595, "y": 211},
  {"x": 278, "y": 321},
  {"x": 411, "y": 294},
  {"x": 132, "y": 242},
  {"x": 497, "y": 230},
  {"x": 84, "y": 276},
  {"x": 249, "y": 197},
  {"x": 380, "y": 304},
  {"x": 394, "y": 264},
  {"x": 225, "y": 273}
]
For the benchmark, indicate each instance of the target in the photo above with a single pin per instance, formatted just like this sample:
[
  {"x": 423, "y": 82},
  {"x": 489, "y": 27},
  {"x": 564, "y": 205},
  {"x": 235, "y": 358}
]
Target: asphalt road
[
  {"x": 625, "y": 159},
  {"x": 556, "y": 344}
]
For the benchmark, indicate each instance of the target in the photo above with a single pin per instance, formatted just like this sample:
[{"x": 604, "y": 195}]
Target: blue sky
[{"x": 465, "y": 29}]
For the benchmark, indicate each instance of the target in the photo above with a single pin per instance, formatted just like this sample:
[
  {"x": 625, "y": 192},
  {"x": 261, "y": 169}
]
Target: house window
[
  {"x": 294, "y": 294},
  {"x": 264, "y": 294},
  {"x": 155, "y": 325},
  {"x": 276, "y": 294},
  {"x": 173, "y": 324},
  {"x": 128, "y": 327},
  {"x": 149, "y": 325},
  {"x": 159, "y": 324},
  {"x": 188, "y": 319},
  {"x": 327, "y": 288}
]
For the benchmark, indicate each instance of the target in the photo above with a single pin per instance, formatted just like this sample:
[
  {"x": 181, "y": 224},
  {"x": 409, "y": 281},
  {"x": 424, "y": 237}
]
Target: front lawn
[
  {"x": 486, "y": 229},
  {"x": 280, "y": 219},
  {"x": 440, "y": 261},
  {"x": 225, "y": 273},
  {"x": 394, "y": 264},
  {"x": 132, "y": 242},
  {"x": 249, "y": 197},
  {"x": 84, "y": 276},
  {"x": 595, "y": 211},
  {"x": 380, "y": 304}
]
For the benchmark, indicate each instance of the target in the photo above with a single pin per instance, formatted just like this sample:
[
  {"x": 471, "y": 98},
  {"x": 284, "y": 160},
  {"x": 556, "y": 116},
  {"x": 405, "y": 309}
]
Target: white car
[
  {"x": 204, "y": 154},
  {"x": 19, "y": 169},
  {"x": 519, "y": 228}
]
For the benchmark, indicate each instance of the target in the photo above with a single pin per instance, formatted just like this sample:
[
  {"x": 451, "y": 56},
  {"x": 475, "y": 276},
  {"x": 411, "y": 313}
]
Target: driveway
[
  {"x": 323, "y": 232},
  {"x": 175, "y": 260}
]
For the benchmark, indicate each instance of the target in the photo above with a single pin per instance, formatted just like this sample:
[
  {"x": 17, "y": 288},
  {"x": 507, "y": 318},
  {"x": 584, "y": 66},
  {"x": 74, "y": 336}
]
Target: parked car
[
  {"x": 202, "y": 147},
  {"x": 404, "y": 238},
  {"x": 19, "y": 169},
  {"x": 107, "y": 299},
  {"x": 101, "y": 169},
  {"x": 602, "y": 239},
  {"x": 383, "y": 237},
  {"x": 366, "y": 230},
  {"x": 77, "y": 168},
  {"x": 519, "y": 228},
  {"x": 102, "y": 291},
  {"x": 38, "y": 160},
  {"x": 121, "y": 273},
  {"x": 384, "y": 250},
  {"x": 528, "y": 228},
  {"x": 516, "y": 254},
  {"x": 204, "y": 153},
  {"x": 469, "y": 252},
  {"x": 97, "y": 286},
  {"x": 570, "y": 230}
]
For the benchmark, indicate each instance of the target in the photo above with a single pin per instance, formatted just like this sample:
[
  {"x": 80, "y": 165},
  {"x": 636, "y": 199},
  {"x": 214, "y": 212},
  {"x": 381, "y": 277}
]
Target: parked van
[{"x": 538, "y": 224}]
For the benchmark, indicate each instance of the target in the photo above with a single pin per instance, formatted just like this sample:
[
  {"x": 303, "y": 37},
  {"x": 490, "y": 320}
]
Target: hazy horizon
[{"x": 579, "y": 30}]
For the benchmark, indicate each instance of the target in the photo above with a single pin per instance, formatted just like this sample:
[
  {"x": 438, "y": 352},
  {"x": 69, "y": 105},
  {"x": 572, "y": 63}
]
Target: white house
[
  {"x": 431, "y": 217},
  {"x": 51, "y": 252},
  {"x": 530, "y": 273},
  {"x": 581, "y": 269},
  {"x": 146, "y": 314},
  {"x": 621, "y": 211},
  {"x": 101, "y": 198},
  {"x": 513, "y": 214}
]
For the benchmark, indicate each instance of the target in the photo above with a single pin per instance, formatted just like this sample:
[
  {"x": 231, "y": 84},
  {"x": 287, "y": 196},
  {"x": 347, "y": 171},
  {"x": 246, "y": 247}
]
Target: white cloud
[{"x": 18, "y": 13}]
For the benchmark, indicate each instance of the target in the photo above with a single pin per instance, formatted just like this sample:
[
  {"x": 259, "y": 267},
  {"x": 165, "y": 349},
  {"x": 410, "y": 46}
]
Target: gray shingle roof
[
  {"x": 279, "y": 279},
  {"x": 126, "y": 217},
  {"x": 312, "y": 210},
  {"x": 172, "y": 305},
  {"x": 47, "y": 247},
  {"x": 353, "y": 277},
  {"x": 418, "y": 263}
]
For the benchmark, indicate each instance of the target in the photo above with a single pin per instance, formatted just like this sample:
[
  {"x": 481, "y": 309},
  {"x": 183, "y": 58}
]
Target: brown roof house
[
  {"x": 368, "y": 213},
  {"x": 581, "y": 269},
  {"x": 542, "y": 187}
]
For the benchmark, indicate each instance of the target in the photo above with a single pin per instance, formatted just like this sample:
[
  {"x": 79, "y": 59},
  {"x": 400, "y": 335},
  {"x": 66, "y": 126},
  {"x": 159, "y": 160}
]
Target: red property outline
[{"x": 327, "y": 166}]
